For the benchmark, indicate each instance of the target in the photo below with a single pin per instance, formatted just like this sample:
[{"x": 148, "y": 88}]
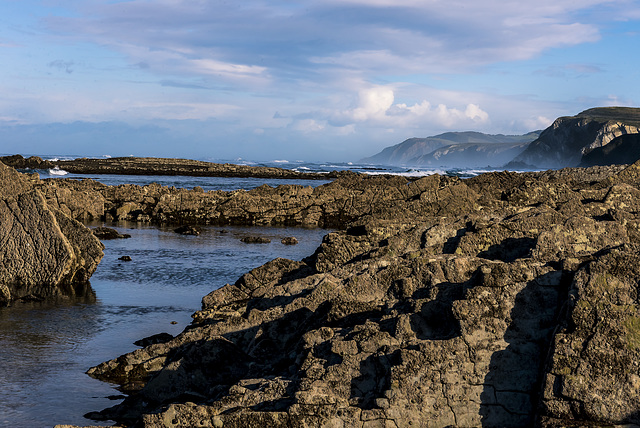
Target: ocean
[{"x": 46, "y": 348}]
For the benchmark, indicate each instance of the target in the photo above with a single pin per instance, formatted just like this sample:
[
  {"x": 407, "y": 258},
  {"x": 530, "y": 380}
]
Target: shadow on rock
[{"x": 512, "y": 385}]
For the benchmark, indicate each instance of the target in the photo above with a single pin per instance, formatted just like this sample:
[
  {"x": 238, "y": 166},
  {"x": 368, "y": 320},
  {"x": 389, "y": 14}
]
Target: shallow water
[{"x": 45, "y": 349}]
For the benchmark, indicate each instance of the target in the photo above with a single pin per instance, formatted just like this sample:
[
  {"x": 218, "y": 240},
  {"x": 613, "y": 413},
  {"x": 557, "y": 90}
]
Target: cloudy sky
[{"x": 311, "y": 80}]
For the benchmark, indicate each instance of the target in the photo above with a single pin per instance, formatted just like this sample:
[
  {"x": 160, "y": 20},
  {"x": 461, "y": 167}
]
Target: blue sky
[{"x": 327, "y": 80}]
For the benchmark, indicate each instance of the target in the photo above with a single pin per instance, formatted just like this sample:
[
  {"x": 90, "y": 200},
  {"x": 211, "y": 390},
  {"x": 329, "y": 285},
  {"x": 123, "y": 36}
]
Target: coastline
[
  {"x": 458, "y": 302},
  {"x": 455, "y": 302},
  {"x": 162, "y": 166}
]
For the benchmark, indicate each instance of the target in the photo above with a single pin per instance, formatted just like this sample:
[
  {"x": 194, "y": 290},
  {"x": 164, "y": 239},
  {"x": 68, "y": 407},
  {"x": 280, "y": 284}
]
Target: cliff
[
  {"x": 43, "y": 252},
  {"x": 503, "y": 300},
  {"x": 569, "y": 139},
  {"x": 452, "y": 149}
]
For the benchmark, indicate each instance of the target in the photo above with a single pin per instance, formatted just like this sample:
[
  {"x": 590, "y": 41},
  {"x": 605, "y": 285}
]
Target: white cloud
[
  {"x": 376, "y": 107},
  {"x": 374, "y": 103}
]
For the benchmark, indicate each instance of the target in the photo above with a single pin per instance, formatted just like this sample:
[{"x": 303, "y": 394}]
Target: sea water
[{"x": 46, "y": 348}]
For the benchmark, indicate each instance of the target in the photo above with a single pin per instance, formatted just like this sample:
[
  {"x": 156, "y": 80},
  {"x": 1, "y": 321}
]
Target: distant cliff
[
  {"x": 571, "y": 139},
  {"x": 454, "y": 149}
]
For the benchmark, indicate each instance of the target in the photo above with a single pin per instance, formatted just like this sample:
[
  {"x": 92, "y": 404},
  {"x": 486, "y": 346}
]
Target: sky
[{"x": 316, "y": 80}]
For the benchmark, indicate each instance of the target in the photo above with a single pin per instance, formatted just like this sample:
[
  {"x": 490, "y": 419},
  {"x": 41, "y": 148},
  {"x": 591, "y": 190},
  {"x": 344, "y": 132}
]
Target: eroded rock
[
  {"x": 43, "y": 252},
  {"x": 439, "y": 304}
]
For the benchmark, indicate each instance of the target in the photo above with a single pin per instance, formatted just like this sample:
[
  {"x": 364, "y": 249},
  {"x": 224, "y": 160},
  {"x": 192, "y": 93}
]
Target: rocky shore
[
  {"x": 160, "y": 166},
  {"x": 507, "y": 299},
  {"x": 502, "y": 300}
]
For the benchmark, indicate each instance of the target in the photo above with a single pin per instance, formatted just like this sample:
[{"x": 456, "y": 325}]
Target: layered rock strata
[
  {"x": 571, "y": 140},
  {"x": 503, "y": 300},
  {"x": 43, "y": 252}
]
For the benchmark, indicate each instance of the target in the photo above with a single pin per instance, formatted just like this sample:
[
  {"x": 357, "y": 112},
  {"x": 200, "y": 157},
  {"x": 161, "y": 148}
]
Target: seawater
[{"x": 46, "y": 348}]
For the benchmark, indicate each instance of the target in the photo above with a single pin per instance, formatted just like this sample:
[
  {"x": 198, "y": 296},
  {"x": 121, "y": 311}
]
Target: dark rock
[
  {"x": 624, "y": 149},
  {"x": 105, "y": 233},
  {"x": 155, "y": 339},
  {"x": 19, "y": 162},
  {"x": 188, "y": 230},
  {"x": 125, "y": 258},
  {"x": 255, "y": 240},
  {"x": 289, "y": 240}
]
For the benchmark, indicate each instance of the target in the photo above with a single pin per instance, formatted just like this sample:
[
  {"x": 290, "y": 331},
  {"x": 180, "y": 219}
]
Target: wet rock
[
  {"x": 255, "y": 240},
  {"x": 125, "y": 258},
  {"x": 188, "y": 230},
  {"x": 152, "y": 340},
  {"x": 103, "y": 233},
  {"x": 289, "y": 240}
]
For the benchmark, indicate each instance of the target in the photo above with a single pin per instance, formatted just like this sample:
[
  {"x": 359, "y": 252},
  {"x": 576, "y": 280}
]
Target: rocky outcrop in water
[
  {"x": 43, "y": 252},
  {"x": 161, "y": 166},
  {"x": 504, "y": 300},
  {"x": 571, "y": 140}
]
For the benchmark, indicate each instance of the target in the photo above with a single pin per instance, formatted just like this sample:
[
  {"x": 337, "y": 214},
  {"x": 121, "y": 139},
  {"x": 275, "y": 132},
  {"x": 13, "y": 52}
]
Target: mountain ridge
[{"x": 416, "y": 151}]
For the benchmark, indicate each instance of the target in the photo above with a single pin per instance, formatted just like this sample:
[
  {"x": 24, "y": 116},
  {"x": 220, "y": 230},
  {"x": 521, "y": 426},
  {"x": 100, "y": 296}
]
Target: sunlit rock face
[
  {"x": 568, "y": 139},
  {"x": 43, "y": 252}
]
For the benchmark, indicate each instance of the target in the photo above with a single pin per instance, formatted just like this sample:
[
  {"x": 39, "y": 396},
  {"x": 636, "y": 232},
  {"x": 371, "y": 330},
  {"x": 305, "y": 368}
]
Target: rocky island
[{"x": 160, "y": 166}]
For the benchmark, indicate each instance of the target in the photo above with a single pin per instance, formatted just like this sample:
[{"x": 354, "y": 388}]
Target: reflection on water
[{"x": 46, "y": 348}]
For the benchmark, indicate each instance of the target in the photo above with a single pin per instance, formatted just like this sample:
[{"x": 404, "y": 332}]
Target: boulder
[{"x": 44, "y": 252}]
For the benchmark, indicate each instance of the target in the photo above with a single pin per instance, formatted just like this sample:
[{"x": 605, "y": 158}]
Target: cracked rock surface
[
  {"x": 43, "y": 252},
  {"x": 505, "y": 300}
]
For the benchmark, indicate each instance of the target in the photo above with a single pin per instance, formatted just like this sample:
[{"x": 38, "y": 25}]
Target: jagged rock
[
  {"x": 103, "y": 233},
  {"x": 289, "y": 240},
  {"x": 32, "y": 162},
  {"x": 44, "y": 252},
  {"x": 504, "y": 300}
]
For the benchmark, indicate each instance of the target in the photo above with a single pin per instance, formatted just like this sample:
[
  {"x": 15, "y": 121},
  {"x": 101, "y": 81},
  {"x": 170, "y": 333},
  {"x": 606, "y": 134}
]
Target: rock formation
[
  {"x": 503, "y": 300},
  {"x": 160, "y": 166},
  {"x": 43, "y": 252},
  {"x": 568, "y": 139}
]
